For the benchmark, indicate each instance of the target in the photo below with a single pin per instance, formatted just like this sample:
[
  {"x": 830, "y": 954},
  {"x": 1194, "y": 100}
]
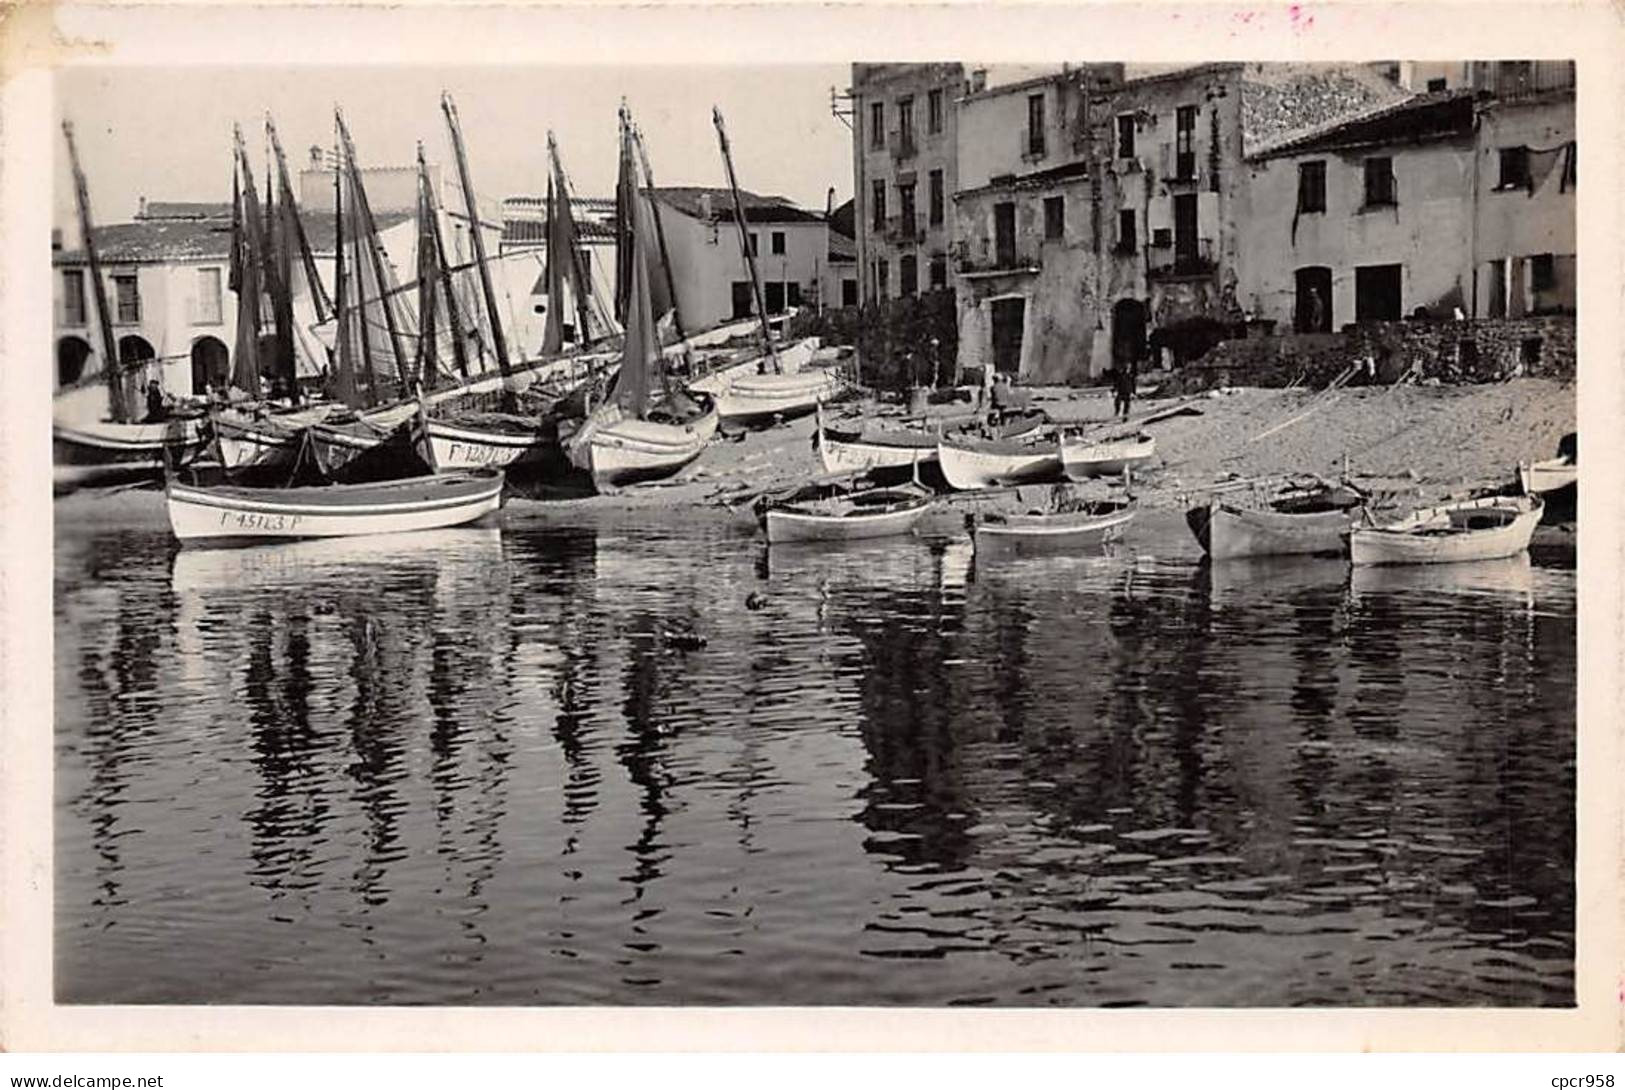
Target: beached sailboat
[
  {"x": 1479, "y": 529},
  {"x": 774, "y": 386},
  {"x": 1298, "y": 521},
  {"x": 227, "y": 513},
  {"x": 646, "y": 429},
  {"x": 88, "y": 450},
  {"x": 1083, "y": 457},
  {"x": 969, "y": 462}
]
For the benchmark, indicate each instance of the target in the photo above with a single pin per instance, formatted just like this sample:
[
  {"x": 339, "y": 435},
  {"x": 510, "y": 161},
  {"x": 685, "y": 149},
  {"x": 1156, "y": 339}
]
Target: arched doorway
[
  {"x": 133, "y": 349},
  {"x": 71, "y": 355},
  {"x": 1128, "y": 332},
  {"x": 211, "y": 364}
]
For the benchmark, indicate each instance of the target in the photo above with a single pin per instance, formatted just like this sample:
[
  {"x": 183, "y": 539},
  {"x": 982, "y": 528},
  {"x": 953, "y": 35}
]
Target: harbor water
[{"x": 622, "y": 759}]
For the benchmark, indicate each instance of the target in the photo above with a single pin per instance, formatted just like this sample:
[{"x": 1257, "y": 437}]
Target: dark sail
[
  {"x": 244, "y": 279},
  {"x": 117, "y": 405}
]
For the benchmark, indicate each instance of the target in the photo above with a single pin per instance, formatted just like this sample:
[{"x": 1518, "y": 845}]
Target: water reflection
[{"x": 572, "y": 765}]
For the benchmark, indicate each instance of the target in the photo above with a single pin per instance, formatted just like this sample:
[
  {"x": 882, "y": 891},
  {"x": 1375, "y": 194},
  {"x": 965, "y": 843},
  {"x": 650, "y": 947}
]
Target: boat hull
[
  {"x": 785, "y": 526},
  {"x": 1081, "y": 529},
  {"x": 271, "y": 514},
  {"x": 1228, "y": 532},
  {"x": 459, "y": 447},
  {"x": 1081, "y": 460},
  {"x": 252, "y": 442},
  {"x": 1423, "y": 538},
  {"x": 620, "y": 451},
  {"x": 1541, "y": 478},
  {"x": 756, "y": 399},
  {"x": 969, "y": 468},
  {"x": 858, "y": 456},
  {"x": 103, "y": 451}
]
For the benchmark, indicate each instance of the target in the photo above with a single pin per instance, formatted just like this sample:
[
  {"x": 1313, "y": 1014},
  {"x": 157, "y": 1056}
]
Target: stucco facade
[{"x": 1524, "y": 238}]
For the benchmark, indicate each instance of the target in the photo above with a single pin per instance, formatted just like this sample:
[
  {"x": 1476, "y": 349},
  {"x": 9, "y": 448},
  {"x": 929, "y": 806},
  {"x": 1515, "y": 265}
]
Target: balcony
[
  {"x": 901, "y": 142},
  {"x": 1178, "y": 264},
  {"x": 904, "y": 229},
  {"x": 1018, "y": 263}
]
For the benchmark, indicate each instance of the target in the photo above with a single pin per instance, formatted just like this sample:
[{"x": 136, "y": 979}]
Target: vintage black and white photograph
[{"x": 1072, "y": 534}]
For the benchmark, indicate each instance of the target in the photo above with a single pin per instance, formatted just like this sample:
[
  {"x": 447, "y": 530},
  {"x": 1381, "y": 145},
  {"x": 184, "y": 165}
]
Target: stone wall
[{"x": 1483, "y": 350}]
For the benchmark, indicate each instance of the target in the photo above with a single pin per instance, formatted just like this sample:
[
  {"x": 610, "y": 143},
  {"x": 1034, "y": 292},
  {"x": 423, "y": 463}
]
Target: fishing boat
[
  {"x": 86, "y": 449},
  {"x": 646, "y": 429},
  {"x": 1299, "y": 521},
  {"x": 351, "y": 449},
  {"x": 247, "y": 439},
  {"x": 970, "y": 463},
  {"x": 871, "y": 447},
  {"x": 1477, "y": 529},
  {"x": 777, "y": 385},
  {"x": 1085, "y": 524},
  {"x": 1082, "y": 457},
  {"x": 853, "y": 516},
  {"x": 1551, "y": 475}
]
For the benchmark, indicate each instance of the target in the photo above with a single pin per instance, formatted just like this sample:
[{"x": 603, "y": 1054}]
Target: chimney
[
  {"x": 705, "y": 207},
  {"x": 978, "y": 80},
  {"x": 316, "y": 156},
  {"x": 141, "y": 209},
  {"x": 56, "y": 239},
  {"x": 829, "y": 203}
]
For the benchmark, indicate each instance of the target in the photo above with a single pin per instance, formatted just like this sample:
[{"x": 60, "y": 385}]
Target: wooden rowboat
[
  {"x": 760, "y": 399},
  {"x": 1082, "y": 457},
  {"x": 969, "y": 463},
  {"x": 1482, "y": 529},
  {"x": 1300, "y": 522},
  {"x": 1090, "y": 524},
  {"x": 221, "y": 513},
  {"x": 1541, "y": 478},
  {"x": 856, "y": 516}
]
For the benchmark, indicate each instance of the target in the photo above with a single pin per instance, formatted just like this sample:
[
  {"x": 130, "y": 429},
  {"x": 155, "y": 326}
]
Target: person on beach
[{"x": 1124, "y": 387}]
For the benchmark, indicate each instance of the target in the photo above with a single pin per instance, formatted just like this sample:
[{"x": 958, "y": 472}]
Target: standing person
[
  {"x": 157, "y": 406},
  {"x": 1124, "y": 383},
  {"x": 987, "y": 387}
]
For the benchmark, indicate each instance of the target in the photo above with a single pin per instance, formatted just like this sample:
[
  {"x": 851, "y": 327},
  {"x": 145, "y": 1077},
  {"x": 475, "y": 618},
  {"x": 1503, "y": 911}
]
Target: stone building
[
  {"x": 904, "y": 135},
  {"x": 1100, "y": 216}
]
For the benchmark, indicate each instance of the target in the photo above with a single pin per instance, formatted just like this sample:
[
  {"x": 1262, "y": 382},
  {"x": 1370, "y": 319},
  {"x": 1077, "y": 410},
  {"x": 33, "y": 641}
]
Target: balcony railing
[
  {"x": 1021, "y": 261},
  {"x": 1198, "y": 261},
  {"x": 901, "y": 142}
]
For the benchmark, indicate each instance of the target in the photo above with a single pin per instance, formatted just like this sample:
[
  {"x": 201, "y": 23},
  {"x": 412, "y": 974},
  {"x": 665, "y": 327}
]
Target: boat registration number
[
  {"x": 475, "y": 454},
  {"x": 254, "y": 520}
]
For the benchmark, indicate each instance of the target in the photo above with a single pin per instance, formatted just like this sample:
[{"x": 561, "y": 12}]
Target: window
[
  {"x": 1128, "y": 234},
  {"x": 1185, "y": 142},
  {"x": 1312, "y": 186},
  {"x": 1054, "y": 217},
  {"x": 849, "y": 292},
  {"x": 1162, "y": 237},
  {"x": 905, "y": 210},
  {"x": 753, "y": 250},
  {"x": 792, "y": 294},
  {"x": 208, "y": 296},
  {"x": 775, "y": 296},
  {"x": 905, "y": 118},
  {"x": 1186, "y": 248},
  {"x": 1542, "y": 272},
  {"x": 880, "y": 204},
  {"x": 741, "y": 299},
  {"x": 1035, "y": 125},
  {"x": 1125, "y": 136},
  {"x": 1379, "y": 181},
  {"x": 1438, "y": 84},
  {"x": 908, "y": 272},
  {"x": 939, "y": 271},
  {"x": 776, "y": 242},
  {"x": 129, "y": 299},
  {"x": 1497, "y": 289},
  {"x": 883, "y": 277},
  {"x": 1514, "y": 168},
  {"x": 935, "y": 197},
  {"x": 73, "y": 297},
  {"x": 1004, "y": 234},
  {"x": 933, "y": 111},
  {"x": 877, "y": 124}
]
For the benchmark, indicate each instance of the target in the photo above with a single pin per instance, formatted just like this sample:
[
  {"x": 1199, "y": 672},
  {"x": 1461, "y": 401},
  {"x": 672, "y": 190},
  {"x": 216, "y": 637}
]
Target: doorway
[
  {"x": 1185, "y": 250},
  {"x": 1377, "y": 293},
  {"x": 1004, "y": 234},
  {"x": 1312, "y": 313},
  {"x": 211, "y": 364},
  {"x": 71, "y": 354},
  {"x": 1128, "y": 333},
  {"x": 1009, "y": 316}
]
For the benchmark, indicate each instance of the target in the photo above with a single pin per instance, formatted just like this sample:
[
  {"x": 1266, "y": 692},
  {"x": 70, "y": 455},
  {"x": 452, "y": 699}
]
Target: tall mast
[
  {"x": 367, "y": 237},
  {"x": 344, "y": 375},
  {"x": 583, "y": 277},
  {"x": 427, "y": 275},
  {"x": 307, "y": 259},
  {"x": 498, "y": 342},
  {"x": 266, "y": 263},
  {"x": 459, "y": 344},
  {"x": 660, "y": 234},
  {"x": 244, "y": 279},
  {"x": 744, "y": 241},
  {"x": 110, "y": 361}
]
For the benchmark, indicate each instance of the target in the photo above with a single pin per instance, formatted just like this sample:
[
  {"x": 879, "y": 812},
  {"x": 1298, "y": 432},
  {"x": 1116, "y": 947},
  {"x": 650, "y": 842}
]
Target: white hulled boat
[{"x": 1482, "y": 529}]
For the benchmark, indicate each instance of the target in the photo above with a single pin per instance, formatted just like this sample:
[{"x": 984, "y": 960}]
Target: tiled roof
[
  {"x": 758, "y": 209},
  {"x": 161, "y": 241},
  {"x": 1282, "y": 102},
  {"x": 843, "y": 220},
  {"x": 535, "y": 231},
  {"x": 1430, "y": 116},
  {"x": 184, "y": 210}
]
